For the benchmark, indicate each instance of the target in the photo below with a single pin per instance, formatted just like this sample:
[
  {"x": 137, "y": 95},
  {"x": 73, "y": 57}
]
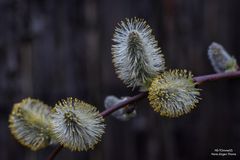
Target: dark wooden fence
[{"x": 56, "y": 49}]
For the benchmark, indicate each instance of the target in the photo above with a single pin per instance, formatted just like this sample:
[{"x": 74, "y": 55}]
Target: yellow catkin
[
  {"x": 173, "y": 93},
  {"x": 29, "y": 123}
]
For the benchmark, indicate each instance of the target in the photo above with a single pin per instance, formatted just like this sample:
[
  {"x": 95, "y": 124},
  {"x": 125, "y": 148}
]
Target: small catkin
[
  {"x": 220, "y": 59},
  {"x": 123, "y": 114}
]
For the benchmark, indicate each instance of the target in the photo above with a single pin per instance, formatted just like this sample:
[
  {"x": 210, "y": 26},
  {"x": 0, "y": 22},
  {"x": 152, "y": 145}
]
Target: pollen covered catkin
[
  {"x": 29, "y": 123},
  {"x": 173, "y": 93}
]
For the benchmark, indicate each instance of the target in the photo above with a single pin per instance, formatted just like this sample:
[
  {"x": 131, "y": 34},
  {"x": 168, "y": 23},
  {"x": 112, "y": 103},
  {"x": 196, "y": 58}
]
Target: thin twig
[
  {"x": 129, "y": 100},
  {"x": 217, "y": 76},
  {"x": 55, "y": 152},
  {"x": 199, "y": 80}
]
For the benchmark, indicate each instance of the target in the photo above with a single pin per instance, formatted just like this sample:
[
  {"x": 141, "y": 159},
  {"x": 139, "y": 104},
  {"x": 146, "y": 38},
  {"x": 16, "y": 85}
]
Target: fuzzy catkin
[
  {"x": 136, "y": 55},
  {"x": 220, "y": 59},
  {"x": 173, "y": 93},
  {"x": 76, "y": 125},
  {"x": 29, "y": 123}
]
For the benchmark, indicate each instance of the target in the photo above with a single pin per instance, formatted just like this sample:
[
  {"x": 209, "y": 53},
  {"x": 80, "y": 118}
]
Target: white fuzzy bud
[
  {"x": 220, "y": 59},
  {"x": 76, "y": 125},
  {"x": 136, "y": 55}
]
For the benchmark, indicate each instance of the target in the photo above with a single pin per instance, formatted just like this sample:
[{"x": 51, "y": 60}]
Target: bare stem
[
  {"x": 217, "y": 76},
  {"x": 55, "y": 152},
  {"x": 199, "y": 80},
  {"x": 129, "y": 100}
]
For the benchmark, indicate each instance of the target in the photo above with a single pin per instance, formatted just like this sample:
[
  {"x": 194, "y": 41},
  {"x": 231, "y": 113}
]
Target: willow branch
[
  {"x": 55, "y": 152},
  {"x": 129, "y": 100},
  {"x": 105, "y": 113},
  {"x": 217, "y": 76},
  {"x": 199, "y": 80}
]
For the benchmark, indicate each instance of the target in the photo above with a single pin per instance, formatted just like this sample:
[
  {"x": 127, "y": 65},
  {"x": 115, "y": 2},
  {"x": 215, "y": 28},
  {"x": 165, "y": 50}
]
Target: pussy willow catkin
[
  {"x": 136, "y": 55},
  {"x": 123, "y": 114},
  {"x": 173, "y": 93},
  {"x": 76, "y": 125},
  {"x": 29, "y": 123},
  {"x": 220, "y": 59}
]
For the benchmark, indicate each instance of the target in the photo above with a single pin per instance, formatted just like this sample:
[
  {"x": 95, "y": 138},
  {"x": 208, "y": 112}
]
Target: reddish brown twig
[
  {"x": 55, "y": 152},
  {"x": 141, "y": 95},
  {"x": 129, "y": 100},
  {"x": 217, "y": 76}
]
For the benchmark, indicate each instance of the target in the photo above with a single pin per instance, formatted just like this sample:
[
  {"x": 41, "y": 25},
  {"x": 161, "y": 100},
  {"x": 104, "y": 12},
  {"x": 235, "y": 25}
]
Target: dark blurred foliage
[{"x": 55, "y": 49}]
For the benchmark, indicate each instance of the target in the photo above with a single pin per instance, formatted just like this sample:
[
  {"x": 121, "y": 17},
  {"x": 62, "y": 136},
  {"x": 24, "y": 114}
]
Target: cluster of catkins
[
  {"x": 72, "y": 123},
  {"x": 139, "y": 64}
]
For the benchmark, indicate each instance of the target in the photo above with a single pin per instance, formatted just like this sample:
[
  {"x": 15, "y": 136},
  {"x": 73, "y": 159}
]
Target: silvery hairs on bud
[
  {"x": 76, "y": 125},
  {"x": 136, "y": 55},
  {"x": 122, "y": 114},
  {"x": 220, "y": 59}
]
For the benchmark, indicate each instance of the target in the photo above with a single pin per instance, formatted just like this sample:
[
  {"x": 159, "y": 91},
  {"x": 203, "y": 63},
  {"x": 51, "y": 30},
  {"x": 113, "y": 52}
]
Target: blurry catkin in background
[
  {"x": 220, "y": 59},
  {"x": 123, "y": 114},
  {"x": 29, "y": 123}
]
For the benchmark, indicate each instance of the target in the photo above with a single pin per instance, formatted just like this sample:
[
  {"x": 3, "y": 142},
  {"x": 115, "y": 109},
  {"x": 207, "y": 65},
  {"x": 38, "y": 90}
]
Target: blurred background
[{"x": 55, "y": 49}]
